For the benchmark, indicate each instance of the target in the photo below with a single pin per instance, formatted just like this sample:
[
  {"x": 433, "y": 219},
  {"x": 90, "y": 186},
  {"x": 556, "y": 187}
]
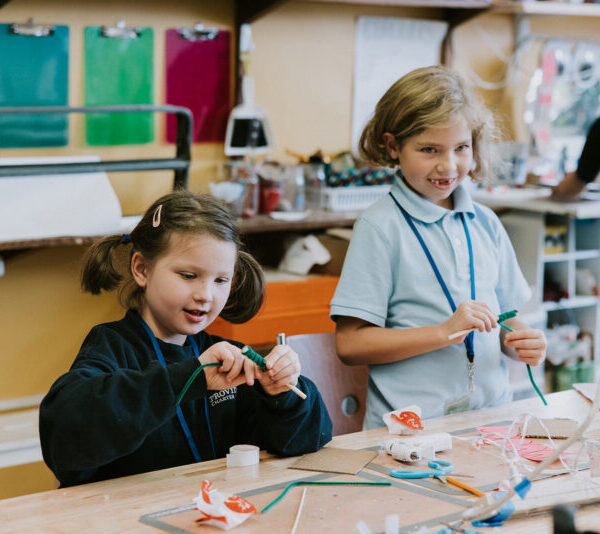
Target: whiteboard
[{"x": 386, "y": 48}]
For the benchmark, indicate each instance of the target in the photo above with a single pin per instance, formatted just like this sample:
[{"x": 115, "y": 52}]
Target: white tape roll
[
  {"x": 405, "y": 453},
  {"x": 241, "y": 455}
]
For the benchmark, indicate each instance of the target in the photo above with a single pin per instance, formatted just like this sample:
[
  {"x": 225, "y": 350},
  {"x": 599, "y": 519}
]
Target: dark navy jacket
[{"x": 113, "y": 414}]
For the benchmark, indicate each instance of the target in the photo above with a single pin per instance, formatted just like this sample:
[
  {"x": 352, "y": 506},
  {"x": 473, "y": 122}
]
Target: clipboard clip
[
  {"x": 31, "y": 29},
  {"x": 120, "y": 31},
  {"x": 198, "y": 33}
]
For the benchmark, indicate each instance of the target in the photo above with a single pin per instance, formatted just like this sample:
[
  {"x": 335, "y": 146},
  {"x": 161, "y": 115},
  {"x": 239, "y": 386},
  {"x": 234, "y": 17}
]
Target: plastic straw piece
[
  {"x": 193, "y": 377},
  {"x": 313, "y": 483},
  {"x": 299, "y": 511},
  {"x": 464, "y": 486},
  {"x": 362, "y": 527},
  {"x": 392, "y": 524}
]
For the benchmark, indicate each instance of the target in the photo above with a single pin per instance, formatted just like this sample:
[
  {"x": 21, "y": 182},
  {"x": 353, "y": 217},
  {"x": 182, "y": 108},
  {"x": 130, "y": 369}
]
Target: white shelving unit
[{"x": 582, "y": 251}]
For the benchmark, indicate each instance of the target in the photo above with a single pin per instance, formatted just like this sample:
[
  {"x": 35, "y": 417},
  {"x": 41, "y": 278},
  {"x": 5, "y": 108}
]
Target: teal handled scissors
[{"x": 439, "y": 468}]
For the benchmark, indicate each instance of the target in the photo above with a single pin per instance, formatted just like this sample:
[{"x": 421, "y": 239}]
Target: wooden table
[{"x": 116, "y": 505}]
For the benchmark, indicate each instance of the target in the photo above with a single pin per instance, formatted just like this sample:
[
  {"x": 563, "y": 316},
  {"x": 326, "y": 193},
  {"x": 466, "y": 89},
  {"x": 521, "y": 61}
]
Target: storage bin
[
  {"x": 353, "y": 198},
  {"x": 293, "y": 307}
]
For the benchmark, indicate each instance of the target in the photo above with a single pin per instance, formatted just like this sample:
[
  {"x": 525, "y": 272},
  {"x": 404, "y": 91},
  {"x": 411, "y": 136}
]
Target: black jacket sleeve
[
  {"x": 589, "y": 161},
  {"x": 284, "y": 424},
  {"x": 104, "y": 407}
]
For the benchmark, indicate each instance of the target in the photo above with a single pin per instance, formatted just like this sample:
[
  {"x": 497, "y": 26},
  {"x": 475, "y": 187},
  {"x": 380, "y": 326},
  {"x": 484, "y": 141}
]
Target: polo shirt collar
[{"x": 426, "y": 211}]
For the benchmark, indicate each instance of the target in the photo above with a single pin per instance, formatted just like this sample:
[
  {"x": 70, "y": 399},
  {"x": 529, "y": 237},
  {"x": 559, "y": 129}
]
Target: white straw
[
  {"x": 299, "y": 511},
  {"x": 461, "y": 333}
]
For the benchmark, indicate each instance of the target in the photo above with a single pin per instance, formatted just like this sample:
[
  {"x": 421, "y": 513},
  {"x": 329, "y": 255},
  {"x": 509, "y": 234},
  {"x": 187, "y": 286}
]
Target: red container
[{"x": 270, "y": 193}]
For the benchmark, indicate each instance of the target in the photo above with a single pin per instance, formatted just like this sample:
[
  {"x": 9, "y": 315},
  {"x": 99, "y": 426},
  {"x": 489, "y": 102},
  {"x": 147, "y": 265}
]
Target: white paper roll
[{"x": 241, "y": 455}]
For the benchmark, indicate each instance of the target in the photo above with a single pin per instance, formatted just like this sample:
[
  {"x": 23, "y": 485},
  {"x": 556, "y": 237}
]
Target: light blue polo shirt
[{"x": 387, "y": 281}]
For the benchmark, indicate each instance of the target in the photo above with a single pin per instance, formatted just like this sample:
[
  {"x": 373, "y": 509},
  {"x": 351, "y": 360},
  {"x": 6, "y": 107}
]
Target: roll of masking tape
[{"x": 241, "y": 455}]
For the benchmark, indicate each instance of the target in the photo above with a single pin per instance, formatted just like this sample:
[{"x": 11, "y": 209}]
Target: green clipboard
[
  {"x": 33, "y": 72},
  {"x": 119, "y": 70}
]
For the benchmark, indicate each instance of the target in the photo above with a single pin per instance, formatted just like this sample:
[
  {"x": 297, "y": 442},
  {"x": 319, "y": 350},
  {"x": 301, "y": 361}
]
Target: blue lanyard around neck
[
  {"x": 182, "y": 421},
  {"x": 469, "y": 339}
]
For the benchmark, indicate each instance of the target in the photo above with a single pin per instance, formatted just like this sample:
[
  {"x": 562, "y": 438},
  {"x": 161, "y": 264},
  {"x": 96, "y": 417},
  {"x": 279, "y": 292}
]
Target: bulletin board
[
  {"x": 119, "y": 71},
  {"x": 33, "y": 72}
]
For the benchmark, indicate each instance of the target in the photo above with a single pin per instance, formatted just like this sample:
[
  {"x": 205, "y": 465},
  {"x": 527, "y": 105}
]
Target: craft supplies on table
[
  {"x": 242, "y": 455},
  {"x": 164, "y": 499},
  {"x": 404, "y": 421},
  {"x": 410, "y": 449}
]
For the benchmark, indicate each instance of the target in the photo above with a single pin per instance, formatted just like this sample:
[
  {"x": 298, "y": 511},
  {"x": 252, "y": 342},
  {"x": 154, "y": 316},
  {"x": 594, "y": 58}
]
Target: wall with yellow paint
[{"x": 44, "y": 317}]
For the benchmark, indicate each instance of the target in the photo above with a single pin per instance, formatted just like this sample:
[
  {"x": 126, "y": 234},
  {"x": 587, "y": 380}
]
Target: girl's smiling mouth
[
  {"x": 442, "y": 183},
  {"x": 195, "y": 315}
]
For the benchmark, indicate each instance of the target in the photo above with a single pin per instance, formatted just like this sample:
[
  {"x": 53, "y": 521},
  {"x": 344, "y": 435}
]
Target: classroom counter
[{"x": 163, "y": 499}]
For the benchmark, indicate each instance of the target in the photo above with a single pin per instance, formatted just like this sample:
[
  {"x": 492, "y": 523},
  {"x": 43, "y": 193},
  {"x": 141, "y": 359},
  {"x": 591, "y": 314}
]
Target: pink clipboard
[{"x": 198, "y": 77}]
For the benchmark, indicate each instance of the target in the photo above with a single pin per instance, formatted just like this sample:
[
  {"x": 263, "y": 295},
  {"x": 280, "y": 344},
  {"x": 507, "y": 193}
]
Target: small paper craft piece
[
  {"x": 526, "y": 448},
  {"x": 220, "y": 509},
  {"x": 404, "y": 421},
  {"x": 557, "y": 428},
  {"x": 332, "y": 460}
]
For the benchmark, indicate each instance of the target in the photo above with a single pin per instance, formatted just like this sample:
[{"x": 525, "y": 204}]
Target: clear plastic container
[
  {"x": 242, "y": 172},
  {"x": 293, "y": 196},
  {"x": 314, "y": 177}
]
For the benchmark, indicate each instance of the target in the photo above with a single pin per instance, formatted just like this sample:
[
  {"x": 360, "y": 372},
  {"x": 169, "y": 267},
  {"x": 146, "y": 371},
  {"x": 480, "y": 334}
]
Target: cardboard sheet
[{"x": 332, "y": 460}]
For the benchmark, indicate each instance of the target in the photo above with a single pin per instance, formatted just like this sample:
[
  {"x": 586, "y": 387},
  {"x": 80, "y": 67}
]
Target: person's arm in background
[{"x": 588, "y": 167}]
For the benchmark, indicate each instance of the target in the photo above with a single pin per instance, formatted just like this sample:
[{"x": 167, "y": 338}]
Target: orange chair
[{"x": 343, "y": 387}]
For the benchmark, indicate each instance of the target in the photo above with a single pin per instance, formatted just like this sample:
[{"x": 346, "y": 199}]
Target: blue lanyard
[
  {"x": 182, "y": 421},
  {"x": 469, "y": 339}
]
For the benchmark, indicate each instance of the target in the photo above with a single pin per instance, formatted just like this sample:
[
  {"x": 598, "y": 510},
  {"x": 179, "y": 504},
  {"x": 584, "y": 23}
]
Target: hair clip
[
  {"x": 125, "y": 239},
  {"x": 156, "y": 216}
]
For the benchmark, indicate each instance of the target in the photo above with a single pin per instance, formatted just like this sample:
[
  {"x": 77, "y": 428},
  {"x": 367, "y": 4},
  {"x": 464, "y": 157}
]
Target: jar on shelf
[
  {"x": 243, "y": 173},
  {"x": 315, "y": 183}
]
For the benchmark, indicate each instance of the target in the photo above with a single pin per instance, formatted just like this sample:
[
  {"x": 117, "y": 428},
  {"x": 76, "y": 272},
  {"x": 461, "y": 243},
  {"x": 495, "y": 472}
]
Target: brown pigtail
[
  {"x": 99, "y": 271},
  {"x": 247, "y": 290}
]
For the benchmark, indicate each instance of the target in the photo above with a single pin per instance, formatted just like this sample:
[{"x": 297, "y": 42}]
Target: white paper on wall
[
  {"x": 387, "y": 48},
  {"x": 36, "y": 207}
]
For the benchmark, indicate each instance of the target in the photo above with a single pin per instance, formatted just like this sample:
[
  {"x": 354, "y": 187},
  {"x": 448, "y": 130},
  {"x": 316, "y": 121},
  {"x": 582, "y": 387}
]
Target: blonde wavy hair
[{"x": 423, "y": 99}]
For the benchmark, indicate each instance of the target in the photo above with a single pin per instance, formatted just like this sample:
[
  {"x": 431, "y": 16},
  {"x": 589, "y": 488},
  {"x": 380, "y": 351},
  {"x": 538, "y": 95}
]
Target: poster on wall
[
  {"x": 387, "y": 48},
  {"x": 119, "y": 70},
  {"x": 34, "y": 62}
]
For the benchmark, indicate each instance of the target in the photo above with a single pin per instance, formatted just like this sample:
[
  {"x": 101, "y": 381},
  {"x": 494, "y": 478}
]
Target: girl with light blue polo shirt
[{"x": 426, "y": 261}]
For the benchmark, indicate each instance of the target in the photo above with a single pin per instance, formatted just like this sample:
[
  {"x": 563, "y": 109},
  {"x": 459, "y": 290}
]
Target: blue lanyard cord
[
  {"x": 469, "y": 339},
  {"x": 210, "y": 434},
  {"x": 182, "y": 421}
]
